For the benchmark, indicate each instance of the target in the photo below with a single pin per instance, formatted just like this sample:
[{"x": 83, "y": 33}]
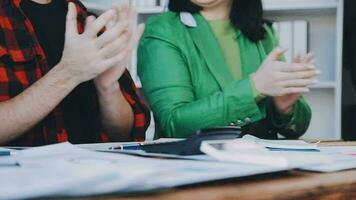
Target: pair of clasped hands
[
  {"x": 102, "y": 57},
  {"x": 283, "y": 81}
]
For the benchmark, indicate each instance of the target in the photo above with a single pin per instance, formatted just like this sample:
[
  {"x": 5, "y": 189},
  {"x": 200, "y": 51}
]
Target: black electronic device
[{"x": 191, "y": 145}]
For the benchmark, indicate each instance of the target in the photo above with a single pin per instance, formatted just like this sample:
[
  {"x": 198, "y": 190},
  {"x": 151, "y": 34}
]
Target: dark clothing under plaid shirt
[{"x": 23, "y": 61}]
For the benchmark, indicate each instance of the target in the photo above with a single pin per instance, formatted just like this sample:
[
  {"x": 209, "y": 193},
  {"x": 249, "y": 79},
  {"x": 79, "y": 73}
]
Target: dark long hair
[{"x": 246, "y": 15}]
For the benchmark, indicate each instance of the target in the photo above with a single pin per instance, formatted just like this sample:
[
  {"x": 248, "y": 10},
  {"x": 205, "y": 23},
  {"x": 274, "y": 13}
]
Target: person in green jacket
[{"x": 212, "y": 63}]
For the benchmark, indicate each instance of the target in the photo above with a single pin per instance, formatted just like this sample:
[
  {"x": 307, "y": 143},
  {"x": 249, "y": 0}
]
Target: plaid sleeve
[
  {"x": 4, "y": 84},
  {"x": 142, "y": 115}
]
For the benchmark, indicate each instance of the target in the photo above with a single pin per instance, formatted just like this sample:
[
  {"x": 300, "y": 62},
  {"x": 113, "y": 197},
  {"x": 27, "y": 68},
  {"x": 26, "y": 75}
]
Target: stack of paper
[
  {"x": 64, "y": 170},
  {"x": 252, "y": 150},
  {"x": 284, "y": 144},
  {"x": 344, "y": 158},
  {"x": 282, "y": 153}
]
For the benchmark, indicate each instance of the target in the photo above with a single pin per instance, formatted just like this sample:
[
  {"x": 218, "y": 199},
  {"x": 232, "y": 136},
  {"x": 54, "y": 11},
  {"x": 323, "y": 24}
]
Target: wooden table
[{"x": 289, "y": 185}]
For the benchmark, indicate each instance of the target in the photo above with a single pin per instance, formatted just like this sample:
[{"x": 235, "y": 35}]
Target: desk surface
[{"x": 289, "y": 185}]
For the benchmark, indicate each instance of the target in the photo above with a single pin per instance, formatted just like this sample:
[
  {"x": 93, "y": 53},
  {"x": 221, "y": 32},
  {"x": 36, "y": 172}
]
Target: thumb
[
  {"x": 276, "y": 54},
  {"x": 140, "y": 30},
  {"x": 71, "y": 24}
]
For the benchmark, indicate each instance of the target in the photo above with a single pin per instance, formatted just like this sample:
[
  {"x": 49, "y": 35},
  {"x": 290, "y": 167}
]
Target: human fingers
[
  {"x": 294, "y": 67},
  {"x": 299, "y": 75},
  {"x": 294, "y": 90},
  {"x": 110, "y": 35},
  {"x": 276, "y": 54},
  {"x": 298, "y": 82},
  {"x": 100, "y": 23}
]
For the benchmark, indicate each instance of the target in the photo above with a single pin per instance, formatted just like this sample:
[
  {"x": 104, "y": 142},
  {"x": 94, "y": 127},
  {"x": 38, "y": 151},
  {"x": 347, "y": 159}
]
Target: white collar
[{"x": 187, "y": 19}]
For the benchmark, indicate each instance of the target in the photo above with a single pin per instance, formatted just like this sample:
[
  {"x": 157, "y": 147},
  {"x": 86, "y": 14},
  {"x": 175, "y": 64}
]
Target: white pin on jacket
[{"x": 187, "y": 19}]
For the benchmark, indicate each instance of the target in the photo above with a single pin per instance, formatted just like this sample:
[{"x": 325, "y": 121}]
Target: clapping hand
[
  {"x": 124, "y": 35},
  {"x": 284, "y": 104},
  {"x": 283, "y": 81}
]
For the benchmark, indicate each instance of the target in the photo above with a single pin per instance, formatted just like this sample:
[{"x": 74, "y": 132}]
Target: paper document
[
  {"x": 344, "y": 158},
  {"x": 283, "y": 144},
  {"x": 64, "y": 170},
  {"x": 251, "y": 152},
  {"x": 36, "y": 180}
]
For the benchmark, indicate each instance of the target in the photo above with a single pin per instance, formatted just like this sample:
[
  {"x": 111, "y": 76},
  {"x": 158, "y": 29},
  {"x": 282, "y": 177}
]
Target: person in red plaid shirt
[{"x": 62, "y": 78}]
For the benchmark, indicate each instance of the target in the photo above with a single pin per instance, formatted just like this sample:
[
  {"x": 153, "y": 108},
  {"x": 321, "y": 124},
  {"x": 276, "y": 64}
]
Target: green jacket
[{"x": 189, "y": 86}]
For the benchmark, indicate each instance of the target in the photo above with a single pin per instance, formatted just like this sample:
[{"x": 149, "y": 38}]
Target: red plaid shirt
[{"x": 23, "y": 62}]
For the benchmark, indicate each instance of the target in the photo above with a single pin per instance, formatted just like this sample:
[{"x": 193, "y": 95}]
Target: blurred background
[{"x": 325, "y": 27}]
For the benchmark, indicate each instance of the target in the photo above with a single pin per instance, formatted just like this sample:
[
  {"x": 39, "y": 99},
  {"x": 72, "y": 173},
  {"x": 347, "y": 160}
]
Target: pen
[
  {"x": 138, "y": 145},
  {"x": 127, "y": 147}
]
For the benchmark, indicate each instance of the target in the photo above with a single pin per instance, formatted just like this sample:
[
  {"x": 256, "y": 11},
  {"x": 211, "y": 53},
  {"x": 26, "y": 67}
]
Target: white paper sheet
[
  {"x": 251, "y": 152},
  {"x": 343, "y": 158},
  {"x": 65, "y": 170},
  {"x": 283, "y": 144},
  {"x": 61, "y": 170},
  {"x": 43, "y": 180}
]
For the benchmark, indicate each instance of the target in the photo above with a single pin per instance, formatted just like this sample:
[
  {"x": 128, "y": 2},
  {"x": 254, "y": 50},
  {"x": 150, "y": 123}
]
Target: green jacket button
[{"x": 248, "y": 120}]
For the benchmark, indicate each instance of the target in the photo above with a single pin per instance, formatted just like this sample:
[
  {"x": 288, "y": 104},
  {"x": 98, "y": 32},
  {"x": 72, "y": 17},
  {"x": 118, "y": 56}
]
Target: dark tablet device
[{"x": 191, "y": 145}]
